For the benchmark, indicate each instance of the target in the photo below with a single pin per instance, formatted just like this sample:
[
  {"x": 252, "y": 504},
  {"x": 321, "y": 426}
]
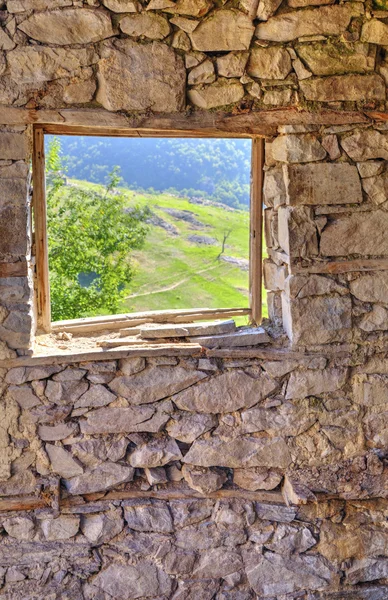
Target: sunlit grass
[{"x": 171, "y": 272}]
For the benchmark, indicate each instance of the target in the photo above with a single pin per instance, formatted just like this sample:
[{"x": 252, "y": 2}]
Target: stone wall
[
  {"x": 196, "y": 450},
  {"x": 16, "y": 292},
  {"x": 243, "y": 53},
  {"x": 239, "y": 474}
]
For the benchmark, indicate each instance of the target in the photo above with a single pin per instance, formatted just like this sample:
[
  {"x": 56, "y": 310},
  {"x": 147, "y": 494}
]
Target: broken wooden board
[
  {"x": 251, "y": 336},
  {"x": 188, "y": 329},
  {"x": 132, "y": 341}
]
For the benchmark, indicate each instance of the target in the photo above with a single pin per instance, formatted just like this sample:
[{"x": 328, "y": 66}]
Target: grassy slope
[{"x": 167, "y": 260}]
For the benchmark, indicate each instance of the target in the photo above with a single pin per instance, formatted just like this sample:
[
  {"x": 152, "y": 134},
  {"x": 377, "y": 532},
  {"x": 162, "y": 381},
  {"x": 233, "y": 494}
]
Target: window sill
[{"x": 55, "y": 348}]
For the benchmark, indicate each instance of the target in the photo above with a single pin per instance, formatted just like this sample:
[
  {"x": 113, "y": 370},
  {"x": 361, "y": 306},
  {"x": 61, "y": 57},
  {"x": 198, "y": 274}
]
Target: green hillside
[{"x": 181, "y": 264}]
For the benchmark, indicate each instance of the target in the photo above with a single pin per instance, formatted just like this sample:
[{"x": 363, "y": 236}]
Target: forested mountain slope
[{"x": 217, "y": 169}]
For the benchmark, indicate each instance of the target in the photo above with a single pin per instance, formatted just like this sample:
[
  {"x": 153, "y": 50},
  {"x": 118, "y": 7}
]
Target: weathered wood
[
  {"x": 186, "y": 329},
  {"x": 22, "y": 503},
  {"x": 345, "y": 266},
  {"x": 141, "y": 318},
  {"x": 40, "y": 221},
  {"x": 256, "y": 230},
  {"x": 251, "y": 336},
  {"x": 16, "y": 269},
  {"x": 134, "y": 341},
  {"x": 263, "y": 122},
  {"x": 71, "y": 356},
  {"x": 176, "y": 494}
]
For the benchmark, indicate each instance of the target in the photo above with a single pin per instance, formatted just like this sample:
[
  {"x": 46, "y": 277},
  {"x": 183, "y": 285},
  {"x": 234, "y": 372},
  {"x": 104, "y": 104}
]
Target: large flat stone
[
  {"x": 127, "y": 420},
  {"x": 221, "y": 93},
  {"x": 287, "y": 419},
  {"x": 129, "y": 582},
  {"x": 364, "y": 233},
  {"x": 155, "y": 383},
  {"x": 240, "y": 452},
  {"x": 227, "y": 392},
  {"x": 20, "y": 6},
  {"x": 309, "y": 383},
  {"x": 149, "y": 25},
  {"x": 303, "y": 286},
  {"x": 224, "y": 30},
  {"x": 273, "y": 574},
  {"x": 347, "y": 88},
  {"x": 337, "y": 59},
  {"x": 377, "y": 187},
  {"x": 308, "y": 184},
  {"x": 375, "y": 32},
  {"x": 13, "y": 146},
  {"x": 57, "y": 432},
  {"x": 122, "y": 6},
  {"x": 297, "y": 231},
  {"x": 97, "y": 395},
  {"x": 232, "y": 64},
  {"x": 191, "y": 8},
  {"x": 156, "y": 453},
  {"x": 376, "y": 319},
  {"x": 371, "y": 287},
  {"x": 68, "y": 26},
  {"x": 327, "y": 20},
  {"x": 102, "y": 478},
  {"x": 63, "y": 527},
  {"x": 186, "y": 426},
  {"x": 317, "y": 320},
  {"x": 297, "y": 149},
  {"x": 20, "y": 528},
  {"x": 149, "y": 517},
  {"x": 102, "y": 527},
  {"x": 257, "y": 478},
  {"x": 267, "y": 8},
  {"x": 62, "y": 462},
  {"x": 134, "y": 76},
  {"x": 216, "y": 563},
  {"x": 370, "y": 390},
  {"x": 364, "y": 145},
  {"x": 33, "y": 64},
  {"x": 20, "y": 484},
  {"x": 269, "y": 63}
]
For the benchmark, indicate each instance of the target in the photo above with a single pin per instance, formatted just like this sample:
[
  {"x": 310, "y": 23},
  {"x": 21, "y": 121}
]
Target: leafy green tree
[{"x": 91, "y": 236}]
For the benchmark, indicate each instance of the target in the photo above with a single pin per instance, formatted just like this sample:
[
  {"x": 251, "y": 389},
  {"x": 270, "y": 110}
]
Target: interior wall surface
[{"x": 239, "y": 474}]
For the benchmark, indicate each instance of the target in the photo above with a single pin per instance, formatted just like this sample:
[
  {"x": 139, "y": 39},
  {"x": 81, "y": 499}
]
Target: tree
[{"x": 91, "y": 235}]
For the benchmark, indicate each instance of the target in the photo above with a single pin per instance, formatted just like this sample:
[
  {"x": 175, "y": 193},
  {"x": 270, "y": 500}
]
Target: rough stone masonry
[{"x": 237, "y": 474}]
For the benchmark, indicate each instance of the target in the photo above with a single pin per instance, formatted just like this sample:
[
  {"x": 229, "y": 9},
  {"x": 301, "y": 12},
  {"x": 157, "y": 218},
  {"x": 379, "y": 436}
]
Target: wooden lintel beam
[{"x": 262, "y": 122}]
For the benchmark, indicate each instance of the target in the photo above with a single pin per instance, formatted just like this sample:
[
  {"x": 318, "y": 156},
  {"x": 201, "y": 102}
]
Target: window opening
[{"x": 185, "y": 207}]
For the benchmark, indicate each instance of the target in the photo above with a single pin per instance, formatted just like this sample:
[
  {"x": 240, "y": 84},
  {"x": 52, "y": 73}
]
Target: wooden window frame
[{"x": 43, "y": 307}]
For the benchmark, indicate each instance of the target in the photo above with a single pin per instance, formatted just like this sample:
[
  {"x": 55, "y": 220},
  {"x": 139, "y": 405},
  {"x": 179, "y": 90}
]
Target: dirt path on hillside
[{"x": 171, "y": 287}]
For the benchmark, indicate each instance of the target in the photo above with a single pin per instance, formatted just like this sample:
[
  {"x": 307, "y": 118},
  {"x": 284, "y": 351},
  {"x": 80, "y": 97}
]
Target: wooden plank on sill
[
  {"x": 16, "y": 269},
  {"x": 243, "y": 337},
  {"x": 140, "y": 318},
  {"x": 345, "y": 266},
  {"x": 187, "y": 329},
  {"x": 193, "y": 350},
  {"x": 135, "y": 341}
]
